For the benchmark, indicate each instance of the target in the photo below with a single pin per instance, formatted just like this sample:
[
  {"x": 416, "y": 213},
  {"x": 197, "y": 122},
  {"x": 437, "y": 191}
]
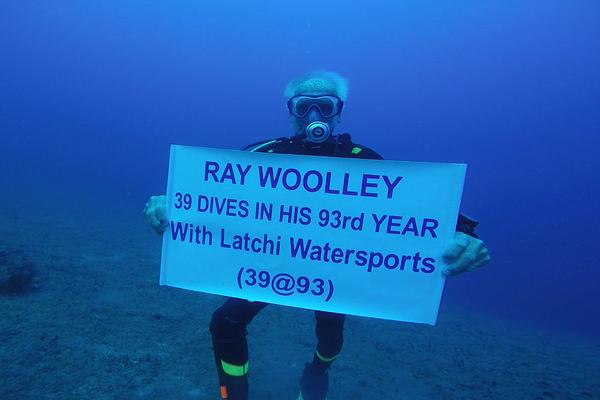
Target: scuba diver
[{"x": 315, "y": 102}]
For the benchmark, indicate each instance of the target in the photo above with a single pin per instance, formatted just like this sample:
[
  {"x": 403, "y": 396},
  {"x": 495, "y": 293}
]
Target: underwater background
[{"x": 93, "y": 93}]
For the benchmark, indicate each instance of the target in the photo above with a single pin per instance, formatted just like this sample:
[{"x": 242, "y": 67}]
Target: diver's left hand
[{"x": 465, "y": 253}]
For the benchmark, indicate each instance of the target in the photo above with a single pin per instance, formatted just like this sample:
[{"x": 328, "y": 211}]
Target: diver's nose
[{"x": 313, "y": 115}]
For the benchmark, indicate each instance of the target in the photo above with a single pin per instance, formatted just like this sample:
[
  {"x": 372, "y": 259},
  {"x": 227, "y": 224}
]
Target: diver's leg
[
  {"x": 330, "y": 338},
  {"x": 228, "y": 330}
]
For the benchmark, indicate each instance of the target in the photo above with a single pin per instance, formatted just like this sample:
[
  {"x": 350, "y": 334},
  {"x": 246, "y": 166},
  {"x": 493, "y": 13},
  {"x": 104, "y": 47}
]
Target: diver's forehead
[{"x": 316, "y": 87}]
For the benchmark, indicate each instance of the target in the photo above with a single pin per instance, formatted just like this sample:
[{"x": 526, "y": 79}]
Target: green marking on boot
[
  {"x": 325, "y": 359},
  {"x": 234, "y": 370}
]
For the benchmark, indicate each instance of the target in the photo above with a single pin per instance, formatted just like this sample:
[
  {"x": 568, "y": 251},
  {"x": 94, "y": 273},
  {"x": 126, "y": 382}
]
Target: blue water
[{"x": 93, "y": 93}]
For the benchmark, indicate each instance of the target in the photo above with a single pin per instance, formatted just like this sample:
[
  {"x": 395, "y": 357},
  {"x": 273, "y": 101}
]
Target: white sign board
[{"x": 361, "y": 237}]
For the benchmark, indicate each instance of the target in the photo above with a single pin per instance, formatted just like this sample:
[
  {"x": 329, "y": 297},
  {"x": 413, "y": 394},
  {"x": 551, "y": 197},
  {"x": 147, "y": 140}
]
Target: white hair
[{"x": 318, "y": 82}]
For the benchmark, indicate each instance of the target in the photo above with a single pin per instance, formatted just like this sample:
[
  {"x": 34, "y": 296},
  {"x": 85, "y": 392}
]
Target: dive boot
[
  {"x": 313, "y": 384},
  {"x": 234, "y": 388}
]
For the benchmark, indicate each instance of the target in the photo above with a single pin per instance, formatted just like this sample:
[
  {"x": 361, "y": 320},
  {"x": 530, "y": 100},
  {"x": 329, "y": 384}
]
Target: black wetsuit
[{"x": 229, "y": 322}]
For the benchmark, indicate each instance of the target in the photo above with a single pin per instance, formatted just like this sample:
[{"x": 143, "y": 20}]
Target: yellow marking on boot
[
  {"x": 323, "y": 358},
  {"x": 234, "y": 370}
]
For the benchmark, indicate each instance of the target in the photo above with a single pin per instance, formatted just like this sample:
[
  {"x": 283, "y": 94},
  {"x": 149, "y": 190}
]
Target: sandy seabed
[{"x": 98, "y": 326}]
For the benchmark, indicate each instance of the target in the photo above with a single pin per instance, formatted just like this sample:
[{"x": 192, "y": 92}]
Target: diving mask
[{"x": 328, "y": 105}]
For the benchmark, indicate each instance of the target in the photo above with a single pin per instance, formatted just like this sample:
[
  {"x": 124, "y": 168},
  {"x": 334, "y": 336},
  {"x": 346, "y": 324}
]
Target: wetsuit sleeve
[{"x": 466, "y": 225}]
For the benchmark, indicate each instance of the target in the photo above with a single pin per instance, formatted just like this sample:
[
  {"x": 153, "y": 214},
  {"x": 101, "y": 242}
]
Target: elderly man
[{"x": 315, "y": 102}]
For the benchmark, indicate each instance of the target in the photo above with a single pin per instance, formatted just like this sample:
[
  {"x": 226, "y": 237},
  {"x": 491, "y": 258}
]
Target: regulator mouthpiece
[{"x": 317, "y": 132}]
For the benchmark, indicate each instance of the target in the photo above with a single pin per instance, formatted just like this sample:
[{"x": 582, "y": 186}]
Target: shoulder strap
[
  {"x": 264, "y": 146},
  {"x": 353, "y": 150}
]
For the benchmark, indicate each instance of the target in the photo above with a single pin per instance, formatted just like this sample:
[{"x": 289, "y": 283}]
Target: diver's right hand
[{"x": 155, "y": 212}]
